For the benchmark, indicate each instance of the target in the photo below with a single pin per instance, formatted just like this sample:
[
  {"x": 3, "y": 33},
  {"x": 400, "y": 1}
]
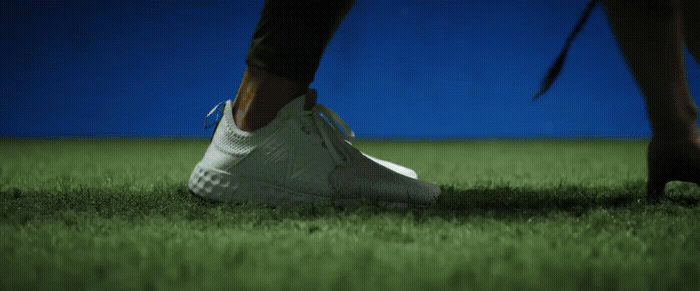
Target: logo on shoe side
[{"x": 288, "y": 162}]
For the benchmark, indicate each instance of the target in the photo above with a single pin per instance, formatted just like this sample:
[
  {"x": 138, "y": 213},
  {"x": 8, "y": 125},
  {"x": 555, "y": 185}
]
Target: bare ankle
[{"x": 261, "y": 95}]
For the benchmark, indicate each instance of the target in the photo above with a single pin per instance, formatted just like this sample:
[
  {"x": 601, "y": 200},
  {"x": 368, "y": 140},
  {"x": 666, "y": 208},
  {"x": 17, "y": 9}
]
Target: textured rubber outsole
[{"x": 217, "y": 185}]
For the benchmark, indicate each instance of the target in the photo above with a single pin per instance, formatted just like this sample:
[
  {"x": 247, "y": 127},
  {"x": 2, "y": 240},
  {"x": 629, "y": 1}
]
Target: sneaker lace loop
[
  {"x": 219, "y": 111},
  {"x": 334, "y": 131}
]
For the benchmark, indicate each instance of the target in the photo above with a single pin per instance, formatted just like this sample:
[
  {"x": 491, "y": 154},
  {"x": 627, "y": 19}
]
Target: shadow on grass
[
  {"x": 176, "y": 200},
  {"x": 574, "y": 199}
]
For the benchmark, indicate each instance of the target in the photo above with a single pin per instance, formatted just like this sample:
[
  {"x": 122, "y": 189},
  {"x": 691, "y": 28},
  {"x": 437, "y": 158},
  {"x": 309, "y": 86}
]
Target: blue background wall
[{"x": 395, "y": 69}]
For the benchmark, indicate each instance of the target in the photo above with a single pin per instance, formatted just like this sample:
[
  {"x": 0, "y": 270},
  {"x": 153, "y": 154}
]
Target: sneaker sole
[{"x": 217, "y": 185}]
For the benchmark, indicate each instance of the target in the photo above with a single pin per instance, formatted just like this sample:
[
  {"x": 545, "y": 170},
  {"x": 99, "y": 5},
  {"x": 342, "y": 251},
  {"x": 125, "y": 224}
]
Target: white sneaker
[{"x": 302, "y": 156}]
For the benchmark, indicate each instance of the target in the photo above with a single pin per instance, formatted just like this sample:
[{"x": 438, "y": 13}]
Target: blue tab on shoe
[{"x": 219, "y": 109}]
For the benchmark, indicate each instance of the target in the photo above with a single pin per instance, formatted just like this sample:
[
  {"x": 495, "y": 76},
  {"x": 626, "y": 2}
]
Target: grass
[{"x": 116, "y": 214}]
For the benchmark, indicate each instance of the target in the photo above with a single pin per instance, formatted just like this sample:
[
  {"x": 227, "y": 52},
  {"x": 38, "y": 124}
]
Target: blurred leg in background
[{"x": 651, "y": 35}]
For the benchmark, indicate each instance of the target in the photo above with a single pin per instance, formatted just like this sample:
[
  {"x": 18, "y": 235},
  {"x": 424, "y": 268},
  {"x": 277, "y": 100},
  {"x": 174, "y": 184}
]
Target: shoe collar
[
  {"x": 334, "y": 131},
  {"x": 301, "y": 104}
]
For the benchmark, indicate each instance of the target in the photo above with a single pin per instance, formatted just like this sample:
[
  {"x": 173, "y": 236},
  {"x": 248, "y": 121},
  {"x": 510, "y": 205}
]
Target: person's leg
[
  {"x": 650, "y": 36},
  {"x": 284, "y": 55},
  {"x": 273, "y": 145}
]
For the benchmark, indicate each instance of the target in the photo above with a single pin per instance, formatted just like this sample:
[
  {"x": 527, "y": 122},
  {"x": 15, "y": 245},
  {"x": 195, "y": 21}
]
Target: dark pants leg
[{"x": 291, "y": 36}]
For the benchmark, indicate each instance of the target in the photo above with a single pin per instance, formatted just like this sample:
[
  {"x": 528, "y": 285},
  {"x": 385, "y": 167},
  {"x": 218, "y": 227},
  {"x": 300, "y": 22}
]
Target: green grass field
[{"x": 116, "y": 214}]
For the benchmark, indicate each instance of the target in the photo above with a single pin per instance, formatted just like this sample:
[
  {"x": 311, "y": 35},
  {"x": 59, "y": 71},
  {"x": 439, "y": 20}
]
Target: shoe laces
[{"x": 336, "y": 134}]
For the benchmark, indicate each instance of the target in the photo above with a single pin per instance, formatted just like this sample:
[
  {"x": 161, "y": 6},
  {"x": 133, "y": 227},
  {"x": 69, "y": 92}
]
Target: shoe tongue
[{"x": 302, "y": 103}]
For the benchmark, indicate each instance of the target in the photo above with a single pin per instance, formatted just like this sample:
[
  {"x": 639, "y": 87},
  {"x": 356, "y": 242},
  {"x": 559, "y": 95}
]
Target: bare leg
[
  {"x": 261, "y": 95},
  {"x": 650, "y": 35},
  {"x": 285, "y": 52}
]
